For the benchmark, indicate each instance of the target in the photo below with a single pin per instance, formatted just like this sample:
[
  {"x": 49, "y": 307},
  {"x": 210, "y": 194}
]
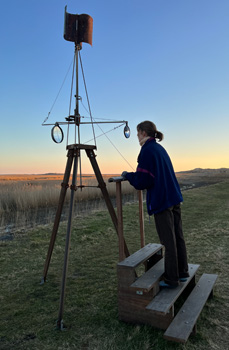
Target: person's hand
[{"x": 124, "y": 174}]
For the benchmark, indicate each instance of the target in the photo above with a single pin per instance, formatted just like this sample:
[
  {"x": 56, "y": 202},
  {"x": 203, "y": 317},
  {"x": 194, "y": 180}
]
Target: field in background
[
  {"x": 30, "y": 200},
  {"x": 29, "y": 310}
]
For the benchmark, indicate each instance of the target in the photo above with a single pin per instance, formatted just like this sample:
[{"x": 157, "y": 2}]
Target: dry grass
[
  {"x": 25, "y": 199},
  {"x": 28, "y": 200},
  {"x": 24, "y": 192}
]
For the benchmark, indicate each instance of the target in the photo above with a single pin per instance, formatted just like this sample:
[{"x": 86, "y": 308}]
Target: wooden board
[
  {"x": 133, "y": 311},
  {"x": 148, "y": 280},
  {"x": 184, "y": 322},
  {"x": 167, "y": 297},
  {"x": 140, "y": 256},
  {"x": 126, "y": 277}
]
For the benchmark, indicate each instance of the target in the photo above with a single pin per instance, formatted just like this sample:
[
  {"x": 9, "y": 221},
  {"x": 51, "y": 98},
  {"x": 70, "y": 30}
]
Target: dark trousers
[{"x": 169, "y": 229}]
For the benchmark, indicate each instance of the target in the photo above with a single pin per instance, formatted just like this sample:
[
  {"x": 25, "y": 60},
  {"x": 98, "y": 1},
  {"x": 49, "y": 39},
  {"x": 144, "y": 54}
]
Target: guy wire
[
  {"x": 57, "y": 94},
  {"x": 115, "y": 148},
  {"x": 93, "y": 121},
  {"x": 116, "y": 127},
  {"x": 104, "y": 133}
]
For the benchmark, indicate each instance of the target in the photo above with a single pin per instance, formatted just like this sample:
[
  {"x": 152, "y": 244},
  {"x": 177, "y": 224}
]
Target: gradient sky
[{"x": 161, "y": 60}]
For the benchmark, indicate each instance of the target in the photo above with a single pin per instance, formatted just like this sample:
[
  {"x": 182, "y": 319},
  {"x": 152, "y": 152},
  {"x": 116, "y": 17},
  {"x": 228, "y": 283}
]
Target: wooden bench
[
  {"x": 185, "y": 321},
  {"x": 164, "y": 300}
]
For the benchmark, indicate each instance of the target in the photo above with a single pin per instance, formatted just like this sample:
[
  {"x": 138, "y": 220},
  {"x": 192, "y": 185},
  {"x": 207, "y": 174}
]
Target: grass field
[
  {"x": 24, "y": 192},
  {"x": 28, "y": 200},
  {"x": 29, "y": 310}
]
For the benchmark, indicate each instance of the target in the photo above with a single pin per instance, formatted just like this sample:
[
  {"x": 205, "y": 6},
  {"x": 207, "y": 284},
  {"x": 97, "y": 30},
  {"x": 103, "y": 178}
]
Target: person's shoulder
[{"x": 153, "y": 144}]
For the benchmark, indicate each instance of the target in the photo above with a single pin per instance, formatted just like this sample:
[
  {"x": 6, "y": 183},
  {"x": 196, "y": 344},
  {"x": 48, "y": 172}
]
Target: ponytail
[
  {"x": 150, "y": 129},
  {"x": 159, "y": 136}
]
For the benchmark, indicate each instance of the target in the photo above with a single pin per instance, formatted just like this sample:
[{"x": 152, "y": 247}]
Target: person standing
[{"x": 155, "y": 173}]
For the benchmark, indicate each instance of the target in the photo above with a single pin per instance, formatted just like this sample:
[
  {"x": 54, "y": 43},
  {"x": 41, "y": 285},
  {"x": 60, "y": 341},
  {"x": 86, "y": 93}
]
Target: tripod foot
[
  {"x": 42, "y": 281},
  {"x": 60, "y": 325}
]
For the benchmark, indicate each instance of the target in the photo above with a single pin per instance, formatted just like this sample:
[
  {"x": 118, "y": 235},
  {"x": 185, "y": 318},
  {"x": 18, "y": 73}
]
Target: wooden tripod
[{"x": 72, "y": 160}]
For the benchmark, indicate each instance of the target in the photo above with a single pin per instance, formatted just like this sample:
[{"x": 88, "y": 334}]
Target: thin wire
[
  {"x": 87, "y": 97},
  {"x": 93, "y": 121},
  {"x": 115, "y": 147},
  {"x": 104, "y": 133},
  {"x": 57, "y": 95},
  {"x": 108, "y": 119},
  {"x": 116, "y": 127}
]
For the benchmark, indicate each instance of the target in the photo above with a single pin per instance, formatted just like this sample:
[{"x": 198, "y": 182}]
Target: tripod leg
[
  {"x": 102, "y": 185},
  {"x": 67, "y": 244},
  {"x": 58, "y": 213}
]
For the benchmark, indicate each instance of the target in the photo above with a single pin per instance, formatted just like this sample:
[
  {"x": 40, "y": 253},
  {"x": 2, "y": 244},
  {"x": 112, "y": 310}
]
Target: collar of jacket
[{"x": 148, "y": 140}]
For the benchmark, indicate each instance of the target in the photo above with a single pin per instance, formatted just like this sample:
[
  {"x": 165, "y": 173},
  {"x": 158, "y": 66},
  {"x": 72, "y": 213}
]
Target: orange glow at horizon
[{"x": 111, "y": 166}]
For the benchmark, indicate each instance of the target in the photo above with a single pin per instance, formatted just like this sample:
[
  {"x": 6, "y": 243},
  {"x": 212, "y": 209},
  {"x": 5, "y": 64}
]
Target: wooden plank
[
  {"x": 167, "y": 296},
  {"x": 184, "y": 322},
  {"x": 140, "y": 316},
  {"x": 148, "y": 280},
  {"x": 81, "y": 146},
  {"x": 133, "y": 301},
  {"x": 141, "y": 255},
  {"x": 126, "y": 277}
]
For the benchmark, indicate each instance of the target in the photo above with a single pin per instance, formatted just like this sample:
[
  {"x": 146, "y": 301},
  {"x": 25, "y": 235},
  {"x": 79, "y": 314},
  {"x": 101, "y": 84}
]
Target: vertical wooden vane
[{"x": 78, "y": 28}]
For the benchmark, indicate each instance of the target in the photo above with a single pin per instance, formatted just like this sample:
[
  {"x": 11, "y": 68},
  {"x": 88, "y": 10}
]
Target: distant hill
[
  {"x": 52, "y": 174},
  {"x": 206, "y": 171},
  {"x": 201, "y": 177}
]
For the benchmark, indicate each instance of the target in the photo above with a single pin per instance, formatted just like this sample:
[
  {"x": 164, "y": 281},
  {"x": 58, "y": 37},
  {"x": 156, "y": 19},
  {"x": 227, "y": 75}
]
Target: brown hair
[{"x": 150, "y": 129}]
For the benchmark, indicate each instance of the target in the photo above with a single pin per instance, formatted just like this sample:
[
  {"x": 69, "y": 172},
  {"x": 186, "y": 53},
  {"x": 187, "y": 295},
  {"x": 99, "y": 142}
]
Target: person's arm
[{"x": 143, "y": 178}]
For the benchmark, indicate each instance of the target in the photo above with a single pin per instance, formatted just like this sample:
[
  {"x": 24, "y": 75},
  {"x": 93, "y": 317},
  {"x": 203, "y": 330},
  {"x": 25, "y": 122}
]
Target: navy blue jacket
[{"x": 155, "y": 173}]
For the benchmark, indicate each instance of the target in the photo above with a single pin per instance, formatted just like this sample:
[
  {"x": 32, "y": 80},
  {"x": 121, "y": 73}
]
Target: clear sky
[{"x": 161, "y": 60}]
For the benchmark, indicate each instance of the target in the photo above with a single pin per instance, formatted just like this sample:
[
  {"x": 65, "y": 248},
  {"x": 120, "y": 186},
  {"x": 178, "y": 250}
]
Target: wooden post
[
  {"x": 104, "y": 191},
  {"x": 120, "y": 220},
  {"x": 141, "y": 218}
]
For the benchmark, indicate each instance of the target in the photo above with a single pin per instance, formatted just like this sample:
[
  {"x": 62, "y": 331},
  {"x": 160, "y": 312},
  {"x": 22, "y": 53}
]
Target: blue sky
[{"x": 161, "y": 60}]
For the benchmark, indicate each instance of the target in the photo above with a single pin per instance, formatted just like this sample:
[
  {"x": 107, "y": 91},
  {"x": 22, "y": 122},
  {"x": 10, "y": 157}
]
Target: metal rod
[
  {"x": 67, "y": 244},
  {"x": 77, "y": 82},
  {"x": 116, "y": 179},
  {"x": 72, "y": 122},
  {"x": 80, "y": 163}
]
